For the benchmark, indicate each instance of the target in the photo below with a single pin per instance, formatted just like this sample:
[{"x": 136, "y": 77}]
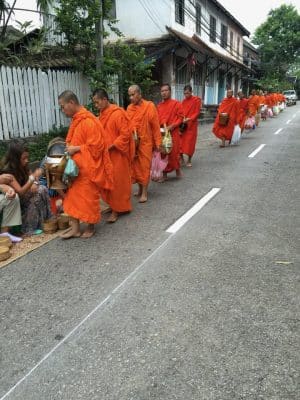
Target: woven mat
[
  {"x": 27, "y": 245},
  {"x": 33, "y": 242}
]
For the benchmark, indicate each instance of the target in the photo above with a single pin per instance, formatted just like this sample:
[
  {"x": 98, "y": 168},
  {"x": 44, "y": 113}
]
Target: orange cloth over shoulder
[
  {"x": 171, "y": 113},
  {"x": 243, "y": 112},
  {"x": 191, "y": 109},
  {"x": 143, "y": 119},
  {"x": 116, "y": 132},
  {"x": 253, "y": 105},
  {"x": 95, "y": 168},
  {"x": 231, "y": 107}
]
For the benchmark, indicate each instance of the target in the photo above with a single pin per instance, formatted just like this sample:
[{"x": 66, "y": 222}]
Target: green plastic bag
[{"x": 71, "y": 170}]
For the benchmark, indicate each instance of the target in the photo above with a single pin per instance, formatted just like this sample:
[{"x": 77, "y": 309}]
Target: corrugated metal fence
[{"x": 28, "y": 99}]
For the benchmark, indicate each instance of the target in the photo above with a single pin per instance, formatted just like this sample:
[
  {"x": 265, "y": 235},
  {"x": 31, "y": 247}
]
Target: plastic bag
[
  {"x": 236, "y": 135},
  {"x": 71, "y": 170},
  {"x": 158, "y": 164},
  {"x": 249, "y": 123},
  {"x": 270, "y": 112},
  {"x": 167, "y": 142}
]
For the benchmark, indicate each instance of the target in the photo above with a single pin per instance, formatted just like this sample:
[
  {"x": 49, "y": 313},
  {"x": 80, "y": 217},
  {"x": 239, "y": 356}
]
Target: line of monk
[
  {"x": 115, "y": 150},
  {"x": 234, "y": 111}
]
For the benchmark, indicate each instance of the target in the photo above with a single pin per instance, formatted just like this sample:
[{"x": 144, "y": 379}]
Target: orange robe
[
  {"x": 231, "y": 107},
  {"x": 171, "y": 113},
  {"x": 191, "y": 109},
  {"x": 95, "y": 168},
  {"x": 116, "y": 132},
  {"x": 262, "y": 100},
  {"x": 143, "y": 119},
  {"x": 268, "y": 100},
  {"x": 243, "y": 112},
  {"x": 253, "y": 105}
]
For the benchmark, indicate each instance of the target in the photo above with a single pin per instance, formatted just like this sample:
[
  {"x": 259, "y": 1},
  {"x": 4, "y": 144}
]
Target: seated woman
[{"x": 34, "y": 199}]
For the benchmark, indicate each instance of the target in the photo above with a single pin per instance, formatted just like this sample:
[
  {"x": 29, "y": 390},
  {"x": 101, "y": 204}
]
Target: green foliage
[
  {"x": 278, "y": 40},
  {"x": 8, "y": 35},
  {"x": 37, "y": 144},
  {"x": 126, "y": 62}
]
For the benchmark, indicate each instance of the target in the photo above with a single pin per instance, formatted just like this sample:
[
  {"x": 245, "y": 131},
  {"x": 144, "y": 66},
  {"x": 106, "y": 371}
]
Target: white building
[
  {"x": 192, "y": 41},
  {"x": 195, "y": 42}
]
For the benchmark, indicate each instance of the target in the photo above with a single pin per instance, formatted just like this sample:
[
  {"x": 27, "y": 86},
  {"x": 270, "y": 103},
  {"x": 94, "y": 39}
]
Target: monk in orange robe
[
  {"x": 85, "y": 143},
  {"x": 262, "y": 99},
  {"x": 254, "y": 106},
  {"x": 144, "y": 125},
  {"x": 171, "y": 114},
  {"x": 229, "y": 106},
  {"x": 191, "y": 108},
  {"x": 243, "y": 110},
  {"x": 120, "y": 146}
]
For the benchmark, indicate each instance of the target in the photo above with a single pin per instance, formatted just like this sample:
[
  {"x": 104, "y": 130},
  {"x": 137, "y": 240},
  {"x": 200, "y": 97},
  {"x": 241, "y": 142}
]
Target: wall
[{"x": 142, "y": 19}]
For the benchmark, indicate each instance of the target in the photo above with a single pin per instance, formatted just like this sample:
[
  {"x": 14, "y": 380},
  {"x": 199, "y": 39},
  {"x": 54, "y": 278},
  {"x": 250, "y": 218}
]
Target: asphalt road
[{"x": 210, "y": 312}]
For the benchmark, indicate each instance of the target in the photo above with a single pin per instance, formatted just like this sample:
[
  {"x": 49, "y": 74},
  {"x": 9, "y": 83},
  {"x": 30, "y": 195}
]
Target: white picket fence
[{"x": 28, "y": 100}]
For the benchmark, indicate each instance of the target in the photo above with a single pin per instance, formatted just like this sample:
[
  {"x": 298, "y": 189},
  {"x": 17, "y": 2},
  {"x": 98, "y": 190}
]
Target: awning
[{"x": 196, "y": 44}]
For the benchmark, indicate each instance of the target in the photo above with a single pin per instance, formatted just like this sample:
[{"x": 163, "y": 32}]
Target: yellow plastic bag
[{"x": 167, "y": 142}]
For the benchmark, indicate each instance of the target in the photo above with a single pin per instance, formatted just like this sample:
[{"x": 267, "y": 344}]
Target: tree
[
  {"x": 81, "y": 21},
  {"x": 278, "y": 40},
  {"x": 7, "y": 10}
]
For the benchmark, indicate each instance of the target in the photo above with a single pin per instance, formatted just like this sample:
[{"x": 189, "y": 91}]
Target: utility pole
[{"x": 99, "y": 36}]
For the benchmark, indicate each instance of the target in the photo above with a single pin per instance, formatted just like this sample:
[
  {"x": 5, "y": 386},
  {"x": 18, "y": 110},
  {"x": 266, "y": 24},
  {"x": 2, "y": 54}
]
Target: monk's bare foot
[
  {"x": 113, "y": 217},
  {"x": 143, "y": 199},
  {"x": 179, "y": 174},
  {"x": 223, "y": 143},
  {"x": 70, "y": 233},
  {"x": 139, "y": 192},
  {"x": 189, "y": 165},
  {"x": 87, "y": 234},
  {"x": 161, "y": 180}
]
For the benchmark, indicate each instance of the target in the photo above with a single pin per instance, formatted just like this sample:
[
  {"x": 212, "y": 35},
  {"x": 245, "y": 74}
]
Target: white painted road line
[
  {"x": 113, "y": 293},
  {"x": 287, "y": 122},
  {"x": 192, "y": 211},
  {"x": 253, "y": 154},
  {"x": 279, "y": 130}
]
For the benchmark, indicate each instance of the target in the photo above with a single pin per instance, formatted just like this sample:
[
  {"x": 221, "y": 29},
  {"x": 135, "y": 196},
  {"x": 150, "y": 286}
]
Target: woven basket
[
  {"x": 63, "y": 221},
  {"x": 4, "y": 253},
  {"x": 50, "y": 226},
  {"x": 5, "y": 241}
]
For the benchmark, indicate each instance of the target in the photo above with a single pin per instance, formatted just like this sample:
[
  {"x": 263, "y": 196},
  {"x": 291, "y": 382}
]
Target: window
[
  {"x": 198, "y": 19},
  {"x": 212, "y": 29},
  {"x": 111, "y": 11},
  {"x": 238, "y": 47},
  {"x": 231, "y": 41},
  {"x": 179, "y": 11},
  {"x": 224, "y": 32}
]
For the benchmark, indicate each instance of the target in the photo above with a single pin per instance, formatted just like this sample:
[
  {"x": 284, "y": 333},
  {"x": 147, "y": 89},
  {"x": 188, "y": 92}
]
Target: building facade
[{"x": 195, "y": 42}]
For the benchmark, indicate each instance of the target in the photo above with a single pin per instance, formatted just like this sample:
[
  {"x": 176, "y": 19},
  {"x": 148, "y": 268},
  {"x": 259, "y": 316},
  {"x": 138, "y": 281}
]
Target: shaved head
[
  {"x": 135, "y": 88},
  {"x": 67, "y": 96},
  {"x": 135, "y": 94}
]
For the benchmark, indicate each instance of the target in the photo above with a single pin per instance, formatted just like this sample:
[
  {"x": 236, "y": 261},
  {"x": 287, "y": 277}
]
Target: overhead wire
[{"x": 149, "y": 15}]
